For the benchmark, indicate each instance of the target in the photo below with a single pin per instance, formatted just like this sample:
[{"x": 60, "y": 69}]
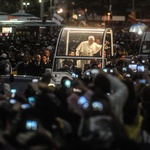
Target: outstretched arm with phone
[{"x": 79, "y": 103}]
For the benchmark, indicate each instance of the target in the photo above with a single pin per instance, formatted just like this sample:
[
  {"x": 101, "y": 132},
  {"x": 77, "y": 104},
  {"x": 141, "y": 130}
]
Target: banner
[{"x": 57, "y": 18}]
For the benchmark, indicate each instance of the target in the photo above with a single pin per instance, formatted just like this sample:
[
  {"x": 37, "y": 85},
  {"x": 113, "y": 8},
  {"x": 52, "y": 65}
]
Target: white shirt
[{"x": 86, "y": 49}]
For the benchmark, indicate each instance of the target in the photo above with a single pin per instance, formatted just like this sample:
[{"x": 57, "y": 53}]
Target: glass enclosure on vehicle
[
  {"x": 66, "y": 58},
  {"x": 145, "y": 47},
  {"x": 145, "y": 44}
]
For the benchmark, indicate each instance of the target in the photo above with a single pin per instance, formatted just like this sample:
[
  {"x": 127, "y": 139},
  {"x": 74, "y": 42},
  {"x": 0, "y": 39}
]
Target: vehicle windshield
[{"x": 70, "y": 39}]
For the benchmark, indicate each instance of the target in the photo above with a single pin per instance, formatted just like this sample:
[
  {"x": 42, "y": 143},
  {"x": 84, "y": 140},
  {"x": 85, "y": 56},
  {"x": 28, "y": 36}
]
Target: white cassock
[{"x": 85, "y": 49}]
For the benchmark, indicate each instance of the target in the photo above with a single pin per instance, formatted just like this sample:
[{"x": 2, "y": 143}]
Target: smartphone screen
[
  {"x": 82, "y": 101},
  {"x": 140, "y": 68},
  {"x": 12, "y": 101},
  {"x": 31, "y": 100},
  {"x": 97, "y": 106},
  {"x": 105, "y": 69},
  {"x": 67, "y": 83},
  {"x": 31, "y": 125},
  {"x": 94, "y": 71},
  {"x": 25, "y": 106},
  {"x": 128, "y": 75},
  {"x": 133, "y": 61},
  {"x": 74, "y": 75},
  {"x": 143, "y": 61},
  {"x": 13, "y": 92},
  {"x": 133, "y": 66},
  {"x": 124, "y": 69},
  {"x": 88, "y": 74},
  {"x": 111, "y": 70},
  {"x": 142, "y": 81},
  {"x": 35, "y": 80}
]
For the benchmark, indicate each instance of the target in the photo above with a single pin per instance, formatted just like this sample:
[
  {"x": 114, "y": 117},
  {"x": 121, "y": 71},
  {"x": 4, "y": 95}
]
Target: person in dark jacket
[{"x": 27, "y": 67}]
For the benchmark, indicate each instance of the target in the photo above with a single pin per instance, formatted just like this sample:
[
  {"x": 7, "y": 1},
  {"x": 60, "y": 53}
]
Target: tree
[{"x": 9, "y": 6}]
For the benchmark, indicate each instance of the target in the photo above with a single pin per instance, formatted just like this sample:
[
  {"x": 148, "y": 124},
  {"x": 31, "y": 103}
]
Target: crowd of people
[
  {"x": 102, "y": 109},
  {"x": 26, "y": 54}
]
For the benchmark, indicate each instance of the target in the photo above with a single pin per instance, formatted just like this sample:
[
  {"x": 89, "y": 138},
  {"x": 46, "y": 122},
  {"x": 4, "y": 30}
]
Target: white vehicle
[
  {"x": 68, "y": 40},
  {"x": 145, "y": 45}
]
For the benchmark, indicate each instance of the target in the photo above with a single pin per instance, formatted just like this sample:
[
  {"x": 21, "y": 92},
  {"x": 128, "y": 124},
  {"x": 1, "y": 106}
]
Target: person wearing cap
[{"x": 5, "y": 65}]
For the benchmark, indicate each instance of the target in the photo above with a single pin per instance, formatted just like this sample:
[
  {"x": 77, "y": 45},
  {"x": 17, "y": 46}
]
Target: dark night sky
[{"x": 119, "y": 7}]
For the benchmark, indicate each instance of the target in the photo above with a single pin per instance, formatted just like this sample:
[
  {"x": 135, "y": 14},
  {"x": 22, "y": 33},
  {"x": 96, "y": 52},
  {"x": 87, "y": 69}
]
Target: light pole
[
  {"x": 26, "y": 4},
  {"x": 51, "y": 3},
  {"x": 108, "y": 15},
  {"x": 133, "y": 9},
  {"x": 41, "y": 8},
  {"x": 51, "y": 9},
  {"x": 21, "y": 4}
]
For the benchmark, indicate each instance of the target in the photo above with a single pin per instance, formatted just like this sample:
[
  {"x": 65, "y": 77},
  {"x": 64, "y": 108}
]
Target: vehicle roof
[{"x": 84, "y": 28}]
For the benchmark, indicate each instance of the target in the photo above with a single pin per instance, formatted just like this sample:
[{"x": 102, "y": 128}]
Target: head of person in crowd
[
  {"x": 122, "y": 57},
  {"x": 120, "y": 64},
  {"x": 105, "y": 54},
  {"x": 111, "y": 62},
  {"x": 94, "y": 63},
  {"x": 98, "y": 41},
  {"x": 26, "y": 58},
  {"x": 37, "y": 58},
  {"x": 47, "y": 53},
  {"x": 101, "y": 83},
  {"x": 46, "y": 78},
  {"x": 4, "y": 56},
  {"x": 69, "y": 64},
  {"x": 44, "y": 59},
  {"x": 72, "y": 53}
]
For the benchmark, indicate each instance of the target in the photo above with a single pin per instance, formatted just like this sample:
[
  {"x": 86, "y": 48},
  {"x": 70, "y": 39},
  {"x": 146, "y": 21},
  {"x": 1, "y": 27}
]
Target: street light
[
  {"x": 108, "y": 15},
  {"x": 60, "y": 10},
  {"x": 26, "y": 4},
  {"x": 41, "y": 8}
]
